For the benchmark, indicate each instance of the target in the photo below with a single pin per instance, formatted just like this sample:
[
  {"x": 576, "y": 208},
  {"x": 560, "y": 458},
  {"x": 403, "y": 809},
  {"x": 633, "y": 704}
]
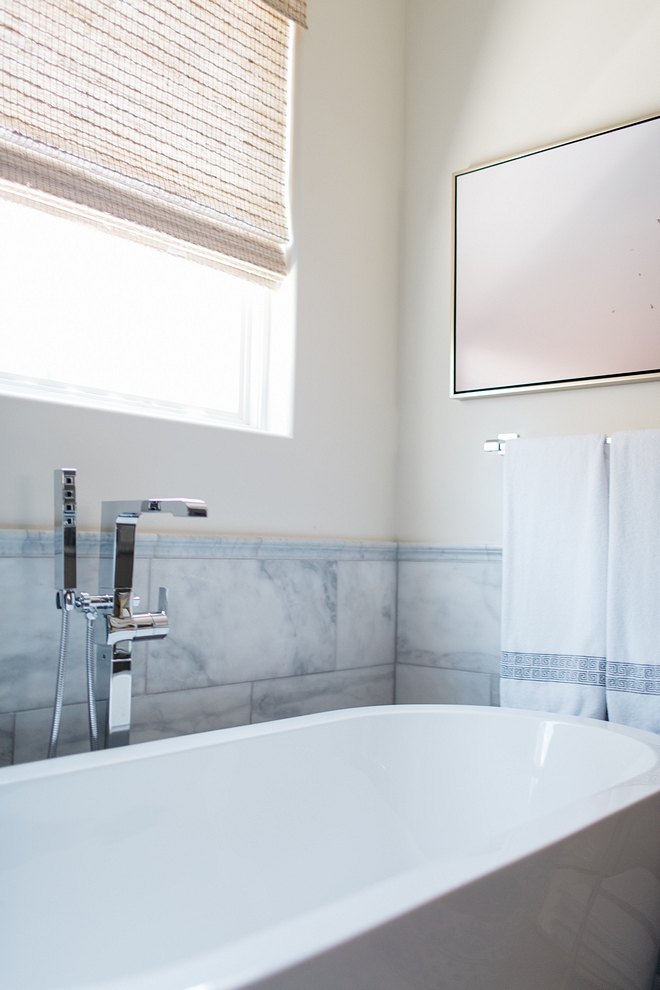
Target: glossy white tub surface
[{"x": 395, "y": 848}]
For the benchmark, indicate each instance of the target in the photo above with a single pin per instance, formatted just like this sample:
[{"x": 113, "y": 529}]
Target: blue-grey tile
[
  {"x": 449, "y": 614},
  {"x": 435, "y": 686},
  {"x": 267, "y": 548},
  {"x": 326, "y": 550},
  {"x": 178, "y": 713},
  {"x": 285, "y": 697},
  {"x": 366, "y": 613},
  {"x": 6, "y": 740},
  {"x": 495, "y": 690},
  {"x": 32, "y": 733},
  {"x": 444, "y": 552},
  {"x": 241, "y": 620}
]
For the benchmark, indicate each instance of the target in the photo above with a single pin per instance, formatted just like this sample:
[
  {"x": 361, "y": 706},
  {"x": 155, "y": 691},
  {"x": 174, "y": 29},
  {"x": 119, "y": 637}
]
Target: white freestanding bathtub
[{"x": 396, "y": 848}]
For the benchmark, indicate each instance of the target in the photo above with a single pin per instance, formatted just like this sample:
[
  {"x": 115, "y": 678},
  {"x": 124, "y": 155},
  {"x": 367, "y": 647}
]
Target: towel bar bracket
[{"x": 499, "y": 446}]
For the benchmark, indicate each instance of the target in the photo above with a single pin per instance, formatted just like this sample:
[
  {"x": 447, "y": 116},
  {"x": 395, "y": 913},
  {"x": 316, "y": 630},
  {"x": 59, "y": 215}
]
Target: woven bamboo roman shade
[{"x": 170, "y": 117}]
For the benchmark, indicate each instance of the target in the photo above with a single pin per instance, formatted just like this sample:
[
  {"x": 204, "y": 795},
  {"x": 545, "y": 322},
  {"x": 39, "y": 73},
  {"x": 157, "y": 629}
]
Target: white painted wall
[
  {"x": 485, "y": 79},
  {"x": 335, "y": 478}
]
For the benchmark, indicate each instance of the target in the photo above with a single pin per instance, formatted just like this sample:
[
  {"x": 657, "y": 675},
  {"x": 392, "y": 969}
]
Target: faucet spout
[
  {"x": 118, "y": 523},
  {"x": 139, "y": 507}
]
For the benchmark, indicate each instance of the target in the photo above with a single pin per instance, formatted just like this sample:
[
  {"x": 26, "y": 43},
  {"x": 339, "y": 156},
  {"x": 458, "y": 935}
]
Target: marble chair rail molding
[{"x": 291, "y": 627}]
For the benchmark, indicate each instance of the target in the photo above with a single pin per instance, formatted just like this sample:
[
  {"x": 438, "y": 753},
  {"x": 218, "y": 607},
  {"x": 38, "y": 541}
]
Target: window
[{"x": 165, "y": 124}]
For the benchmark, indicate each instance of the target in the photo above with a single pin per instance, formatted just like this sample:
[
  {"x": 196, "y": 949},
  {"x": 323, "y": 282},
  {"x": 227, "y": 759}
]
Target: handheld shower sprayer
[{"x": 65, "y": 582}]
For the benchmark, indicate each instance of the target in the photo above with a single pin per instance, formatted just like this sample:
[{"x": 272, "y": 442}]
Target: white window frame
[{"x": 267, "y": 366}]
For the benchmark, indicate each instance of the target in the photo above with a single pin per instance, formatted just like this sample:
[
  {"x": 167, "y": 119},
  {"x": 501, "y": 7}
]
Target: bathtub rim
[
  {"x": 37, "y": 769},
  {"x": 304, "y": 936}
]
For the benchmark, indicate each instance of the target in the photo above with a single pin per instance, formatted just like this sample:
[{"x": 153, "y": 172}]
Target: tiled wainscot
[
  {"x": 448, "y": 626},
  {"x": 260, "y": 629}
]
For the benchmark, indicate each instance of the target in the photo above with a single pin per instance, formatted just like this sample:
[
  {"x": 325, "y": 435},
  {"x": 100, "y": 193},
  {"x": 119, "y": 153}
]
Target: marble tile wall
[
  {"x": 260, "y": 629},
  {"x": 448, "y": 624}
]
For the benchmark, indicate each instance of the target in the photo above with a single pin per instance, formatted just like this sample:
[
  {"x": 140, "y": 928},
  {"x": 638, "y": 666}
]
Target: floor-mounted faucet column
[
  {"x": 114, "y": 680},
  {"x": 122, "y": 626}
]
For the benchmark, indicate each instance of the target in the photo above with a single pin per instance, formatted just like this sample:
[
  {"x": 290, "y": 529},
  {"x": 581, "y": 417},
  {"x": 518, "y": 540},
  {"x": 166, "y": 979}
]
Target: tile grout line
[{"x": 203, "y": 687}]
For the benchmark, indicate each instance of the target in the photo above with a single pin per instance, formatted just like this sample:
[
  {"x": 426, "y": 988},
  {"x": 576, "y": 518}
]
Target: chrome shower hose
[{"x": 61, "y": 670}]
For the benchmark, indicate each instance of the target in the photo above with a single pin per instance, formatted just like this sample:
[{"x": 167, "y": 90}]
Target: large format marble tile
[
  {"x": 178, "y": 713},
  {"x": 437, "y": 686},
  {"x": 449, "y": 614},
  {"x": 241, "y": 620},
  {"x": 33, "y": 733},
  {"x": 285, "y": 697},
  {"x": 366, "y": 612}
]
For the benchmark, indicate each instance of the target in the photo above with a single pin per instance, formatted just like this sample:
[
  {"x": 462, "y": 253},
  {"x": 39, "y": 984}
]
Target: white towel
[
  {"x": 554, "y": 575},
  {"x": 633, "y": 619}
]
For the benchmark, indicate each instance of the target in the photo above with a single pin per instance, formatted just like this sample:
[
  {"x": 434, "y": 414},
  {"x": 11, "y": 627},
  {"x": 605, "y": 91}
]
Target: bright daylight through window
[{"x": 143, "y": 207}]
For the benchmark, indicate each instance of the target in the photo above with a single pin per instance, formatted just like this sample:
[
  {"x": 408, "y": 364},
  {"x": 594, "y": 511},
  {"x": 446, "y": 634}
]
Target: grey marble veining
[
  {"x": 436, "y": 686},
  {"x": 239, "y": 620},
  {"x": 366, "y": 613},
  {"x": 178, "y": 713},
  {"x": 26, "y": 543},
  {"x": 449, "y": 614},
  {"x": 261, "y": 628},
  {"x": 284, "y": 697}
]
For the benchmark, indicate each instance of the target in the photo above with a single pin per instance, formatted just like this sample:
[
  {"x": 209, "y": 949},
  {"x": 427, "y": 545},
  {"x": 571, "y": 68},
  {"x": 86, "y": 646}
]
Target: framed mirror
[{"x": 557, "y": 266}]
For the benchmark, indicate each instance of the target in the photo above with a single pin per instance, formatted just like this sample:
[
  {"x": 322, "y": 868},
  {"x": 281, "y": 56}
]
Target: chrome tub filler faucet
[{"x": 113, "y": 624}]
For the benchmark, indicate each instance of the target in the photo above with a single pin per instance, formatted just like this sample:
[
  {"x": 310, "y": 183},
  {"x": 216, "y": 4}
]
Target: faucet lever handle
[
  {"x": 177, "y": 506},
  {"x": 162, "y": 599}
]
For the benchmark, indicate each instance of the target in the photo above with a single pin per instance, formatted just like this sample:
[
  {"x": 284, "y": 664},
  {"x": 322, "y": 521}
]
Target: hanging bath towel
[
  {"x": 633, "y": 607},
  {"x": 554, "y": 575}
]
